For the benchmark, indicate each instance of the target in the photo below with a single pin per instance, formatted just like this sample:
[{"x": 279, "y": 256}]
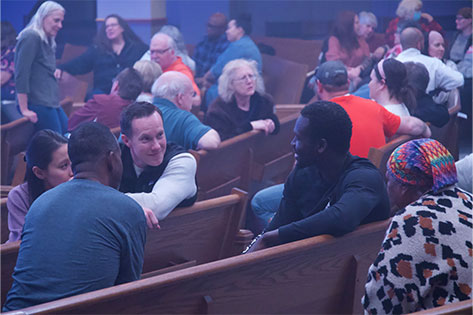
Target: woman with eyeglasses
[
  {"x": 116, "y": 47},
  {"x": 242, "y": 104}
]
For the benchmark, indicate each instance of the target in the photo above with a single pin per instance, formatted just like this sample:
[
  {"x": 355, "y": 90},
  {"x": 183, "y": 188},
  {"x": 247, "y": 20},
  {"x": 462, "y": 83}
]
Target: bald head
[
  {"x": 176, "y": 87},
  {"x": 216, "y": 25},
  {"x": 412, "y": 37}
]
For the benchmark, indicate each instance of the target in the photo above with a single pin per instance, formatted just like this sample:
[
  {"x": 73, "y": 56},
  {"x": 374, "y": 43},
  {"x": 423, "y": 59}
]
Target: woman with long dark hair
[
  {"x": 47, "y": 165},
  {"x": 390, "y": 88},
  {"x": 115, "y": 48},
  {"x": 345, "y": 45}
]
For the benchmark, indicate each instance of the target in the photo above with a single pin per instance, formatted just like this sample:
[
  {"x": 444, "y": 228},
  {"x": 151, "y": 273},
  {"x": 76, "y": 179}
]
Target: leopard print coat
[{"x": 426, "y": 257}]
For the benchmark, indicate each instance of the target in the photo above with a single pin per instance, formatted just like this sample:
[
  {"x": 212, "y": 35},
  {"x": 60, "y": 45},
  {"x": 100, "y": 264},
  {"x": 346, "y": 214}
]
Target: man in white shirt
[
  {"x": 156, "y": 174},
  {"x": 441, "y": 77}
]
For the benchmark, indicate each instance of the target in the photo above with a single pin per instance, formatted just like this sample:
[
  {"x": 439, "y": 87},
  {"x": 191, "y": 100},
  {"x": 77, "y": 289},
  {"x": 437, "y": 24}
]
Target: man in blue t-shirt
[
  {"x": 173, "y": 96},
  {"x": 82, "y": 235}
]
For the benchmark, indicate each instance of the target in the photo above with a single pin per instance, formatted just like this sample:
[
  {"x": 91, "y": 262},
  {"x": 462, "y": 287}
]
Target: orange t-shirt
[
  {"x": 372, "y": 123},
  {"x": 181, "y": 67}
]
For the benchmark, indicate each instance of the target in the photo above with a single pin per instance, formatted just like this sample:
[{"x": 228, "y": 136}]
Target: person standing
[{"x": 35, "y": 63}]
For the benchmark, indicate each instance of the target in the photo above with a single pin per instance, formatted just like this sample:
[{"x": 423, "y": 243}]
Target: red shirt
[{"x": 372, "y": 123}]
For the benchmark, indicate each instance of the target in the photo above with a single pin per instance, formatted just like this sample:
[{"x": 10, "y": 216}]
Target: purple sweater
[{"x": 18, "y": 204}]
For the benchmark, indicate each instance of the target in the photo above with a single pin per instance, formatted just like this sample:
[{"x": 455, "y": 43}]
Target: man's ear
[
  {"x": 115, "y": 87},
  {"x": 126, "y": 140},
  {"x": 321, "y": 146},
  {"x": 179, "y": 100},
  {"x": 319, "y": 87},
  {"x": 38, "y": 172}
]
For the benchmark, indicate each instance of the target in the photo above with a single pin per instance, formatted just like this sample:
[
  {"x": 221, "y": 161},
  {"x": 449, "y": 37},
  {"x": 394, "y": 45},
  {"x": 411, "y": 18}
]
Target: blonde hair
[
  {"x": 406, "y": 8},
  {"x": 149, "y": 72},
  {"x": 36, "y": 22},
  {"x": 225, "y": 82}
]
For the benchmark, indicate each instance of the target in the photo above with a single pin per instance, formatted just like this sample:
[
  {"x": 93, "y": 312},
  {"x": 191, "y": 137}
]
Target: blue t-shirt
[
  {"x": 180, "y": 126},
  {"x": 78, "y": 237}
]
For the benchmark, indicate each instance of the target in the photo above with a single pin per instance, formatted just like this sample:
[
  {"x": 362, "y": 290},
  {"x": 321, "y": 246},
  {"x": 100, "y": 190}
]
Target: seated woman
[
  {"x": 345, "y": 45},
  {"x": 410, "y": 10},
  {"x": 425, "y": 259},
  {"x": 242, "y": 104},
  {"x": 149, "y": 72},
  {"x": 389, "y": 87},
  {"x": 116, "y": 47},
  {"x": 241, "y": 47},
  {"x": 47, "y": 165}
]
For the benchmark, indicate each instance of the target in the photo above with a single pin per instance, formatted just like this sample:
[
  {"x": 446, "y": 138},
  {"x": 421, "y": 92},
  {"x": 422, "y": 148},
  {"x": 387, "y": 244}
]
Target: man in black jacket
[{"x": 329, "y": 191}]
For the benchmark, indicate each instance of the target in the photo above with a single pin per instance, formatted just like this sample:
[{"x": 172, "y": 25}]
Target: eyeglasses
[
  {"x": 159, "y": 51},
  {"x": 246, "y": 77},
  {"x": 111, "y": 25}
]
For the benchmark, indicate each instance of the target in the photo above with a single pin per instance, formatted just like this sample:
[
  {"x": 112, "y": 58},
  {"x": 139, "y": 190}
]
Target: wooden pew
[
  {"x": 218, "y": 171},
  {"x": 4, "y": 218},
  {"x": 5, "y": 190},
  {"x": 318, "y": 275},
  {"x": 463, "y": 307},
  {"x": 14, "y": 139},
  {"x": 72, "y": 51},
  {"x": 207, "y": 231},
  {"x": 283, "y": 110},
  {"x": 283, "y": 79},
  {"x": 379, "y": 156},
  {"x": 448, "y": 134},
  {"x": 294, "y": 49},
  {"x": 273, "y": 157}
]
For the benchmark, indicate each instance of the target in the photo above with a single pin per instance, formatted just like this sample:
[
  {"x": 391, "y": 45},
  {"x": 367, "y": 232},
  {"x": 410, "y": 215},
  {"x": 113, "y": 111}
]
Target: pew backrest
[
  {"x": 4, "y": 218},
  {"x": 204, "y": 232},
  {"x": 322, "y": 274},
  {"x": 218, "y": 171},
  {"x": 463, "y": 307}
]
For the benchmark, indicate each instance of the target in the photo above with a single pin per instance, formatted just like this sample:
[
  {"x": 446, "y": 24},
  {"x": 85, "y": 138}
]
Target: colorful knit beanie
[{"x": 423, "y": 162}]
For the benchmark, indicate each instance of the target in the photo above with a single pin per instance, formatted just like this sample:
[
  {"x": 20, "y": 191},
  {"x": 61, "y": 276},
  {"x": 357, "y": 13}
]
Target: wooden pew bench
[
  {"x": 4, "y": 218},
  {"x": 207, "y": 231},
  {"x": 463, "y": 307},
  {"x": 322, "y": 274}
]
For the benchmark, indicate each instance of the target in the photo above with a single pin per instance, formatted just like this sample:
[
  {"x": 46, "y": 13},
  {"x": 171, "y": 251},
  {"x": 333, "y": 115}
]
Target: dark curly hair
[{"x": 329, "y": 121}]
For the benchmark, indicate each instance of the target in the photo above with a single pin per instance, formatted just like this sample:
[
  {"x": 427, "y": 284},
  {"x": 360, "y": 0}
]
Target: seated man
[
  {"x": 163, "y": 51},
  {"x": 372, "y": 124},
  {"x": 442, "y": 78},
  {"x": 82, "y": 235},
  {"x": 106, "y": 108},
  {"x": 157, "y": 175},
  {"x": 173, "y": 92},
  {"x": 213, "y": 45},
  {"x": 329, "y": 191}
]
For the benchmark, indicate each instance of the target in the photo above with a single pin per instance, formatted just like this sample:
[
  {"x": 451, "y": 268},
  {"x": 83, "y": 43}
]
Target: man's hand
[
  {"x": 151, "y": 219},
  {"x": 58, "y": 74}
]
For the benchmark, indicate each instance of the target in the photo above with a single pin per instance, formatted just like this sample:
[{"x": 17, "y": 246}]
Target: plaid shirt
[{"x": 206, "y": 53}]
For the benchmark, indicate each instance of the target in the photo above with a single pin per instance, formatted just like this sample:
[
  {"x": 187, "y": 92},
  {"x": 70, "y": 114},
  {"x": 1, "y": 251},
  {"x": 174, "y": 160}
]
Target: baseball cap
[{"x": 332, "y": 73}]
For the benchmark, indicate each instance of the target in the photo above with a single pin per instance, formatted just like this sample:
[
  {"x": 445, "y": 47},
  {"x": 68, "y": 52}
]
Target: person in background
[
  {"x": 116, "y": 47},
  {"x": 181, "y": 50},
  {"x": 163, "y": 51},
  {"x": 389, "y": 87},
  {"x": 242, "y": 104},
  {"x": 35, "y": 63},
  {"x": 464, "y": 170},
  {"x": 7, "y": 74},
  {"x": 461, "y": 53},
  {"x": 425, "y": 258},
  {"x": 82, "y": 235},
  {"x": 241, "y": 47},
  {"x": 366, "y": 29},
  {"x": 213, "y": 45},
  {"x": 149, "y": 72},
  {"x": 106, "y": 108},
  {"x": 410, "y": 10},
  {"x": 173, "y": 96},
  {"x": 345, "y": 45},
  {"x": 427, "y": 109},
  {"x": 441, "y": 77},
  {"x": 47, "y": 165}
]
